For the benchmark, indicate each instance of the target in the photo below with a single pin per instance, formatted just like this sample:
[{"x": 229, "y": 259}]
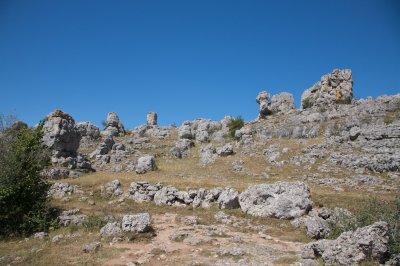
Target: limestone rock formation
[
  {"x": 88, "y": 130},
  {"x": 114, "y": 126},
  {"x": 352, "y": 247},
  {"x": 282, "y": 102},
  {"x": 151, "y": 119},
  {"x": 62, "y": 136},
  {"x": 137, "y": 223},
  {"x": 185, "y": 131},
  {"x": 110, "y": 229},
  {"x": 263, "y": 99},
  {"x": 60, "y": 133},
  {"x": 281, "y": 200},
  {"x": 333, "y": 88},
  {"x": 146, "y": 163}
]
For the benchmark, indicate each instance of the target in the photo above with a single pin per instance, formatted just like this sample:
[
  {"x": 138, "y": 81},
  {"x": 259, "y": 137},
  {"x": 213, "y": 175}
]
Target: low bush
[{"x": 235, "y": 124}]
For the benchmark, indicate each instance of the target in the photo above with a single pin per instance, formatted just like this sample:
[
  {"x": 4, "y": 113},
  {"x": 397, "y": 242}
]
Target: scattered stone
[
  {"x": 57, "y": 238},
  {"x": 41, "y": 235},
  {"x": 110, "y": 229},
  {"x": 93, "y": 247},
  {"x": 226, "y": 150},
  {"x": 112, "y": 188},
  {"x": 190, "y": 220},
  {"x": 71, "y": 217}
]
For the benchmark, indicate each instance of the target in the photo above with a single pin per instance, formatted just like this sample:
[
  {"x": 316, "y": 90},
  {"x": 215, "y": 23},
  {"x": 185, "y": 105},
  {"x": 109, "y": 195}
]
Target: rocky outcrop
[
  {"x": 111, "y": 229},
  {"x": 62, "y": 136},
  {"x": 146, "y": 163},
  {"x": 281, "y": 200},
  {"x": 71, "y": 217},
  {"x": 182, "y": 148},
  {"x": 263, "y": 99},
  {"x": 61, "y": 190},
  {"x": 228, "y": 199},
  {"x": 114, "y": 126},
  {"x": 151, "y": 119},
  {"x": 333, "y": 88},
  {"x": 185, "y": 131},
  {"x": 282, "y": 103},
  {"x": 352, "y": 247},
  {"x": 320, "y": 223},
  {"x": 88, "y": 130}
]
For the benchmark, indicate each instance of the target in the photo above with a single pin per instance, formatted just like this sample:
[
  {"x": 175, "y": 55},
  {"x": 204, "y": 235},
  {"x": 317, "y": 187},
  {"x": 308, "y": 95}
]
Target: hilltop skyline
[{"x": 186, "y": 60}]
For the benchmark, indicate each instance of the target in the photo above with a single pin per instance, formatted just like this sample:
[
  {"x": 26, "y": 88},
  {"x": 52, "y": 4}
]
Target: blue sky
[{"x": 187, "y": 59}]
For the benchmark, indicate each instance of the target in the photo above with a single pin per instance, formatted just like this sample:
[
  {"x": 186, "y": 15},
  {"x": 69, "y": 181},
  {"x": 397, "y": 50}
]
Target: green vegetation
[
  {"x": 377, "y": 210},
  {"x": 306, "y": 103},
  {"x": 235, "y": 124},
  {"x": 24, "y": 206}
]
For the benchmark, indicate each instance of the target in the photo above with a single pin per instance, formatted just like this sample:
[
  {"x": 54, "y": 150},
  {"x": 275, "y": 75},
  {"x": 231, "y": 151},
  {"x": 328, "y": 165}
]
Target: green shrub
[
  {"x": 306, "y": 103},
  {"x": 93, "y": 223},
  {"x": 376, "y": 210},
  {"x": 24, "y": 206},
  {"x": 235, "y": 124}
]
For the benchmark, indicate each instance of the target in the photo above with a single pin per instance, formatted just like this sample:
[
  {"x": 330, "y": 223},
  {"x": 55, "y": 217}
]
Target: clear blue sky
[{"x": 187, "y": 59}]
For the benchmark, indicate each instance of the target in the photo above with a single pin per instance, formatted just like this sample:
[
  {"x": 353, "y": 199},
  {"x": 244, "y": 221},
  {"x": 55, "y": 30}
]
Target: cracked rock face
[
  {"x": 280, "y": 200},
  {"x": 333, "y": 88}
]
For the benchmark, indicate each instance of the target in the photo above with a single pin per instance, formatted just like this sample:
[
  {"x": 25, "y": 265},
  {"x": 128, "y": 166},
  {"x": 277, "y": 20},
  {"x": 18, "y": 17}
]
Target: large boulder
[
  {"x": 137, "y": 223},
  {"x": 114, "y": 126},
  {"x": 110, "y": 229},
  {"x": 333, "y": 88},
  {"x": 263, "y": 99},
  {"x": 151, "y": 119},
  {"x": 229, "y": 199},
  {"x": 281, "y": 200},
  {"x": 60, "y": 133},
  {"x": 146, "y": 163},
  {"x": 185, "y": 131},
  {"x": 182, "y": 148},
  {"x": 88, "y": 130},
  {"x": 282, "y": 102},
  {"x": 352, "y": 247}
]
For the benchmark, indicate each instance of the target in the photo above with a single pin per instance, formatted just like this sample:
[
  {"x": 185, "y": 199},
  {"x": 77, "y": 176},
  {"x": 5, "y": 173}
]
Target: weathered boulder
[
  {"x": 138, "y": 223},
  {"x": 182, "y": 148},
  {"x": 114, "y": 126},
  {"x": 151, "y": 119},
  {"x": 352, "y": 247},
  {"x": 60, "y": 190},
  {"x": 333, "y": 88},
  {"x": 229, "y": 199},
  {"x": 281, "y": 200},
  {"x": 88, "y": 130},
  {"x": 112, "y": 188},
  {"x": 110, "y": 229},
  {"x": 60, "y": 133},
  {"x": 282, "y": 102},
  {"x": 146, "y": 163},
  {"x": 185, "y": 131},
  {"x": 207, "y": 154},
  {"x": 263, "y": 99},
  {"x": 225, "y": 150}
]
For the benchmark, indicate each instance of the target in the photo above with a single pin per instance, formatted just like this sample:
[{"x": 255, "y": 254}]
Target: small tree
[
  {"x": 235, "y": 124},
  {"x": 24, "y": 206}
]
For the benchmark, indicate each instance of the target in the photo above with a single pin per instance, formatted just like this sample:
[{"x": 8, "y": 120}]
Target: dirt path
[{"x": 207, "y": 245}]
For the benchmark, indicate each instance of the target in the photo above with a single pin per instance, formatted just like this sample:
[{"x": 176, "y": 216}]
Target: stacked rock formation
[
  {"x": 333, "y": 88},
  {"x": 114, "y": 126},
  {"x": 63, "y": 137},
  {"x": 263, "y": 99},
  {"x": 151, "y": 119}
]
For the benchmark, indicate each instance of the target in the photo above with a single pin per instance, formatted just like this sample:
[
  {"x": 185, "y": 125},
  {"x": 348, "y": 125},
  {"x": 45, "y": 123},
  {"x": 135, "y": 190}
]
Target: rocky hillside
[{"x": 283, "y": 191}]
